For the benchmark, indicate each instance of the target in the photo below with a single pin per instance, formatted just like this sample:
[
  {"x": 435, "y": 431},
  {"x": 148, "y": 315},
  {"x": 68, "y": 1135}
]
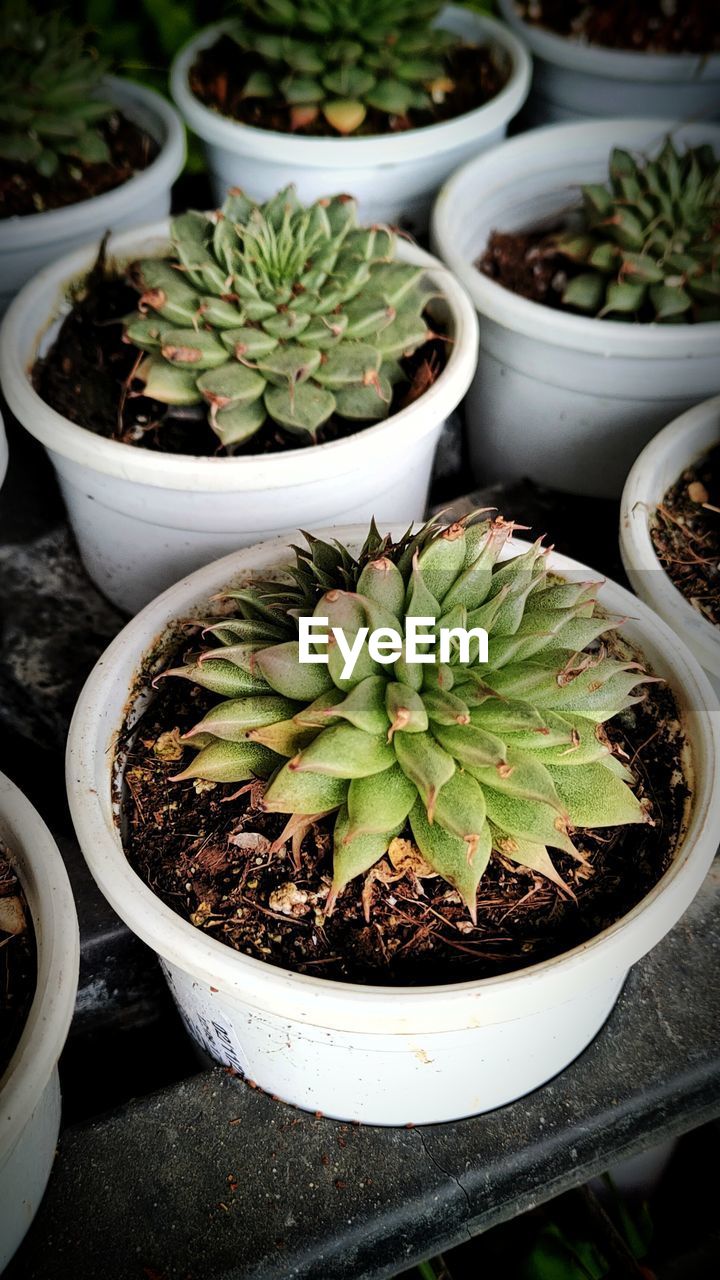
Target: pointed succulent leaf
[
  {"x": 380, "y": 802},
  {"x": 342, "y": 751},
  {"x": 230, "y": 762},
  {"x": 291, "y": 791},
  {"x": 448, "y": 855},
  {"x": 282, "y": 670}
]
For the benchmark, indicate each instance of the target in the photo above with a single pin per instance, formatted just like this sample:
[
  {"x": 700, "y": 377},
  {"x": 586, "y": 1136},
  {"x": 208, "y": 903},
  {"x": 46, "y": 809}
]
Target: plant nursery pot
[
  {"x": 28, "y": 243},
  {"x": 660, "y": 464},
  {"x": 142, "y": 519},
  {"x": 381, "y": 1055},
  {"x": 574, "y": 81},
  {"x": 29, "y": 1088},
  {"x": 566, "y": 400},
  {"x": 393, "y": 176}
]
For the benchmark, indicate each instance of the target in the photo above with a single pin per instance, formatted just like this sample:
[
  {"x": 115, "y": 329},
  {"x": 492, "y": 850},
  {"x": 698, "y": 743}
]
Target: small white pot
[
  {"x": 574, "y": 81},
  {"x": 381, "y": 1055},
  {"x": 28, "y": 243},
  {"x": 661, "y": 463},
  {"x": 143, "y": 519},
  {"x": 566, "y": 400},
  {"x": 29, "y": 1089},
  {"x": 393, "y": 176}
]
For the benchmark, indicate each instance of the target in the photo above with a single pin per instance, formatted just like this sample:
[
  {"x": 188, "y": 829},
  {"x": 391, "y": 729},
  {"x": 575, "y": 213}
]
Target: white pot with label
[
  {"x": 29, "y": 243},
  {"x": 142, "y": 519},
  {"x": 381, "y": 1055},
  {"x": 393, "y": 176},
  {"x": 29, "y": 1087},
  {"x": 566, "y": 400},
  {"x": 577, "y": 81},
  {"x": 681, "y": 444}
]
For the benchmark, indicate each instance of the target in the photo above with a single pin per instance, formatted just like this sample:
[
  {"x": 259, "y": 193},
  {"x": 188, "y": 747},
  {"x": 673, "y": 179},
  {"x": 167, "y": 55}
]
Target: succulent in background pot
[
  {"x": 360, "y": 97},
  {"x": 80, "y": 151},
  {"x": 394, "y": 790},
  {"x": 661, "y": 468},
  {"x": 600, "y": 60},
  {"x": 609, "y": 321},
  {"x": 29, "y": 1086},
  {"x": 297, "y": 344}
]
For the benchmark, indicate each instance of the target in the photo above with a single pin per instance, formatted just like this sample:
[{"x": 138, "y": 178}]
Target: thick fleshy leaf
[
  {"x": 470, "y": 745},
  {"x": 282, "y": 669},
  {"x": 382, "y": 582},
  {"x": 230, "y": 762},
  {"x": 232, "y": 719},
  {"x": 293, "y": 792},
  {"x": 425, "y": 763},
  {"x": 381, "y": 802},
  {"x": 353, "y": 854},
  {"x": 523, "y": 776},
  {"x": 445, "y": 708},
  {"x": 527, "y": 820},
  {"x": 405, "y": 709},
  {"x": 342, "y": 751},
  {"x": 285, "y": 737},
  {"x": 461, "y": 808},
  {"x": 222, "y": 677},
  {"x": 441, "y": 561},
  {"x": 364, "y": 706},
  {"x": 527, "y": 854},
  {"x": 448, "y": 855},
  {"x": 304, "y": 407},
  {"x": 596, "y": 797}
]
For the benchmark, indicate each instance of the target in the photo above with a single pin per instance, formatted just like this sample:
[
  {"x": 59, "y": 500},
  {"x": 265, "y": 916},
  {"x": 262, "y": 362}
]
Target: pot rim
[
  {"x": 324, "y": 1002},
  {"x": 168, "y": 131},
  {"x": 616, "y": 64},
  {"x": 538, "y": 152},
  {"x": 639, "y": 497},
  {"x": 21, "y": 335},
  {"x": 49, "y": 896},
  {"x": 374, "y": 150}
]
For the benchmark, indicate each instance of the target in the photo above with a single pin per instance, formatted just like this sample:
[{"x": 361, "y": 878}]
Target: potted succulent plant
[
  {"x": 392, "y": 875},
  {"x": 615, "y": 59},
  {"x": 282, "y": 366},
  {"x": 80, "y": 151},
  {"x": 383, "y": 100},
  {"x": 670, "y": 530},
  {"x": 39, "y": 958},
  {"x": 598, "y": 319}
]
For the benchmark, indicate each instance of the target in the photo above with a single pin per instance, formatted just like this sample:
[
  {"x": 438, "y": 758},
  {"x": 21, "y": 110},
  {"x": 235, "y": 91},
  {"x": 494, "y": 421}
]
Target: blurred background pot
[
  {"x": 575, "y": 81},
  {"x": 29, "y": 1088},
  {"x": 393, "y": 176},
  {"x": 681, "y": 444},
  {"x": 566, "y": 400},
  {"x": 29, "y": 243}
]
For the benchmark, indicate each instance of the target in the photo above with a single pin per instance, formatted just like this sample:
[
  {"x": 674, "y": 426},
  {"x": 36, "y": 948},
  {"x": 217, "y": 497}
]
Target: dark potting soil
[
  {"x": 220, "y": 72},
  {"x": 87, "y": 377},
  {"x": 685, "y": 529},
  {"x": 204, "y": 849},
  {"x": 18, "y": 961},
  {"x": 24, "y": 191},
  {"x": 651, "y": 26},
  {"x": 527, "y": 263}
]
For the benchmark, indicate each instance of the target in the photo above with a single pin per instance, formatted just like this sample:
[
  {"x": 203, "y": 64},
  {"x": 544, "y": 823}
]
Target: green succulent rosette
[
  {"x": 50, "y": 105},
  {"x": 509, "y": 755},
  {"x": 278, "y": 311},
  {"x": 338, "y": 58},
  {"x": 649, "y": 239}
]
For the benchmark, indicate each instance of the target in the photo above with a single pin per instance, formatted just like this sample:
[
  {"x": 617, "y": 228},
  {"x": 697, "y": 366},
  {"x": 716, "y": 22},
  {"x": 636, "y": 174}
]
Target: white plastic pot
[
  {"x": 574, "y": 81},
  {"x": 661, "y": 463},
  {"x": 28, "y": 243},
  {"x": 143, "y": 519},
  {"x": 393, "y": 176},
  {"x": 29, "y": 1089},
  {"x": 378, "y": 1054},
  {"x": 564, "y": 399}
]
